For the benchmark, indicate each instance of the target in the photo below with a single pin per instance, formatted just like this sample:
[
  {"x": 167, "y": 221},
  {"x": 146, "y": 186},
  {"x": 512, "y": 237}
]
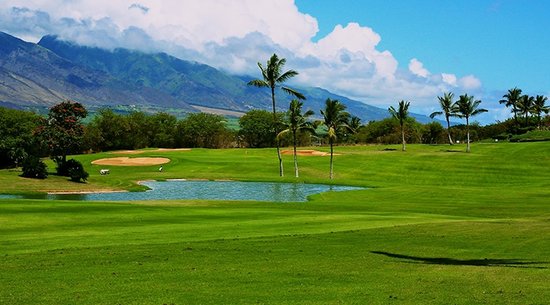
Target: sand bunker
[
  {"x": 135, "y": 152},
  {"x": 126, "y": 161},
  {"x": 306, "y": 152}
]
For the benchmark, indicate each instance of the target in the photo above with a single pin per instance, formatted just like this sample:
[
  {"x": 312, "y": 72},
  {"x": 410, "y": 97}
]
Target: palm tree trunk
[
  {"x": 403, "y": 137},
  {"x": 467, "y": 135},
  {"x": 331, "y": 175},
  {"x": 295, "y": 155},
  {"x": 449, "y": 131},
  {"x": 276, "y": 127}
]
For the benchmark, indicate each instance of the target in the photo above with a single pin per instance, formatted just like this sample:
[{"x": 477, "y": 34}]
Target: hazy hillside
[
  {"x": 33, "y": 75},
  {"x": 54, "y": 70},
  {"x": 192, "y": 82}
]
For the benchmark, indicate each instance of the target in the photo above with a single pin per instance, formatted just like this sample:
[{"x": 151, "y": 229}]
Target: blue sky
[
  {"x": 375, "y": 51},
  {"x": 504, "y": 43}
]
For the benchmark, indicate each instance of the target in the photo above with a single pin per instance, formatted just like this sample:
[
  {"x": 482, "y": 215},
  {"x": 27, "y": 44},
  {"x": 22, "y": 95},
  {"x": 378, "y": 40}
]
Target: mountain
[
  {"x": 53, "y": 70},
  {"x": 31, "y": 75},
  {"x": 192, "y": 82}
]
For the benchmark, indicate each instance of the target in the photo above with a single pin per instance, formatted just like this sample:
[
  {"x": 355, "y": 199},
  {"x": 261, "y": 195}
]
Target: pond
[{"x": 209, "y": 190}]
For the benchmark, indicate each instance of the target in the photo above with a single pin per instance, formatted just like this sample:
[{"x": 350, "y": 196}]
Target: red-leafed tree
[{"x": 63, "y": 131}]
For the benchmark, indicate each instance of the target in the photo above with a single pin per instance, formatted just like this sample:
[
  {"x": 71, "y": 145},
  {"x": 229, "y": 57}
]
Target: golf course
[{"x": 433, "y": 225}]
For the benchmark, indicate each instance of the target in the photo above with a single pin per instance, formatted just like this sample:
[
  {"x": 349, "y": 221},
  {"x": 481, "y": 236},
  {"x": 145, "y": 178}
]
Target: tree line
[{"x": 25, "y": 136}]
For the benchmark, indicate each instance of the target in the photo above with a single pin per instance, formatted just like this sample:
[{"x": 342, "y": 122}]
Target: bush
[
  {"x": 76, "y": 171},
  {"x": 35, "y": 168},
  {"x": 532, "y": 136}
]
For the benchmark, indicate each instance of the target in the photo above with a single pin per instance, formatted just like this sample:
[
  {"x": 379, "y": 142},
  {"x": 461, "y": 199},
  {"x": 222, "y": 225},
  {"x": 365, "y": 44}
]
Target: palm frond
[
  {"x": 258, "y": 83},
  {"x": 478, "y": 111},
  {"x": 393, "y": 113},
  {"x": 293, "y": 93},
  {"x": 434, "y": 114},
  {"x": 282, "y": 133},
  {"x": 331, "y": 133},
  {"x": 286, "y": 76}
]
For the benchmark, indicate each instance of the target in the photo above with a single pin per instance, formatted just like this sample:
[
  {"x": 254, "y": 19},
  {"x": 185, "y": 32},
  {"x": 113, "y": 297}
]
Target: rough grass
[{"x": 436, "y": 227}]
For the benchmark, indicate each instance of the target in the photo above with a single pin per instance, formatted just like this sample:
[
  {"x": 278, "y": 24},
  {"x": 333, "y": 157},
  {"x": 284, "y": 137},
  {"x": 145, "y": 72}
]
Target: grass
[{"x": 435, "y": 227}]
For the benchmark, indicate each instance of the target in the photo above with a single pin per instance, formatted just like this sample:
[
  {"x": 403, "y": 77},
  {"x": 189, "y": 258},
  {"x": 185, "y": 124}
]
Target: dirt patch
[
  {"x": 135, "y": 152},
  {"x": 126, "y": 161},
  {"x": 306, "y": 152}
]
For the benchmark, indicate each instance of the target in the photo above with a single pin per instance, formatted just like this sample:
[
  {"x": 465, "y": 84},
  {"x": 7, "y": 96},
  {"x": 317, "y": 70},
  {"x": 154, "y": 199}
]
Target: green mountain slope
[
  {"x": 33, "y": 75},
  {"x": 54, "y": 70}
]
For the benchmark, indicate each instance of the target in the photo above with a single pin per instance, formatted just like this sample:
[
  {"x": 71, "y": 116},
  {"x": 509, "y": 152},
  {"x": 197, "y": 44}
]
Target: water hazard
[{"x": 208, "y": 190}]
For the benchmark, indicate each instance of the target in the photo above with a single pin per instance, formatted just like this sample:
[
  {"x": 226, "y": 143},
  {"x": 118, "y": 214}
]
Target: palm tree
[
  {"x": 355, "y": 123},
  {"x": 272, "y": 76},
  {"x": 525, "y": 106},
  {"x": 467, "y": 108},
  {"x": 297, "y": 122},
  {"x": 539, "y": 107},
  {"x": 511, "y": 99},
  {"x": 401, "y": 115},
  {"x": 335, "y": 119},
  {"x": 448, "y": 109}
]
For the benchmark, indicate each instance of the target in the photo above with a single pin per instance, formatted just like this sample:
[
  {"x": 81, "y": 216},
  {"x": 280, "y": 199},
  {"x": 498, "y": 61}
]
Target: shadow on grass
[{"x": 486, "y": 262}]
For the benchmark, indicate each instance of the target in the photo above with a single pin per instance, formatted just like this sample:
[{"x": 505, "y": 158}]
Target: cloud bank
[{"x": 234, "y": 35}]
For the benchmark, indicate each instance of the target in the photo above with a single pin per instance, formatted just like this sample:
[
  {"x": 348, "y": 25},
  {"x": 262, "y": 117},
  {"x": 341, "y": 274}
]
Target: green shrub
[
  {"x": 62, "y": 168},
  {"x": 76, "y": 171},
  {"x": 35, "y": 168},
  {"x": 532, "y": 136}
]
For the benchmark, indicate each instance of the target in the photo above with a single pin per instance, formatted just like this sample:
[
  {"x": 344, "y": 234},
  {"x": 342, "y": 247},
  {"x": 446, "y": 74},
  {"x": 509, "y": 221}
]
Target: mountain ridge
[{"x": 53, "y": 70}]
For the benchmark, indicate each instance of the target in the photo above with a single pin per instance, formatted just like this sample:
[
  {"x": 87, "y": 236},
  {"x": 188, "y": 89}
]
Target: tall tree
[
  {"x": 511, "y": 99},
  {"x": 272, "y": 76},
  {"x": 401, "y": 115},
  {"x": 540, "y": 107},
  {"x": 63, "y": 131},
  {"x": 204, "y": 130},
  {"x": 525, "y": 106},
  {"x": 256, "y": 128},
  {"x": 16, "y": 136},
  {"x": 447, "y": 106},
  {"x": 467, "y": 107},
  {"x": 297, "y": 121},
  {"x": 335, "y": 119}
]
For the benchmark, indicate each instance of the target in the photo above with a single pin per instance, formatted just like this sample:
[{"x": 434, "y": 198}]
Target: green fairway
[{"x": 435, "y": 226}]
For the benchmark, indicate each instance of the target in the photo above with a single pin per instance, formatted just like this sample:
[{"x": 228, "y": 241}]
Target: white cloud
[
  {"x": 417, "y": 68},
  {"x": 234, "y": 35},
  {"x": 470, "y": 82},
  {"x": 449, "y": 79}
]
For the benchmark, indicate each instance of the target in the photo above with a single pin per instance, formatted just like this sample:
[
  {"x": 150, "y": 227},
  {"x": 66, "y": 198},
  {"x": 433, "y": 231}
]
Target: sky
[{"x": 376, "y": 51}]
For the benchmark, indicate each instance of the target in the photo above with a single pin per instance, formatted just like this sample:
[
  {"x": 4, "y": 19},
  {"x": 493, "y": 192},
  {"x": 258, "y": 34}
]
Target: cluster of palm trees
[
  {"x": 524, "y": 105},
  {"x": 335, "y": 118},
  {"x": 465, "y": 107}
]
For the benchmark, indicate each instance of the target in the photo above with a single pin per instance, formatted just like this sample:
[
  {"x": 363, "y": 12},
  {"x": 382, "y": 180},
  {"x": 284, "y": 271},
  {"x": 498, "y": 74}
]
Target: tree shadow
[
  {"x": 485, "y": 262},
  {"x": 453, "y": 150}
]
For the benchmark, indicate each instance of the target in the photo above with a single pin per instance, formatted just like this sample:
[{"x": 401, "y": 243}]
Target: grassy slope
[{"x": 436, "y": 227}]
